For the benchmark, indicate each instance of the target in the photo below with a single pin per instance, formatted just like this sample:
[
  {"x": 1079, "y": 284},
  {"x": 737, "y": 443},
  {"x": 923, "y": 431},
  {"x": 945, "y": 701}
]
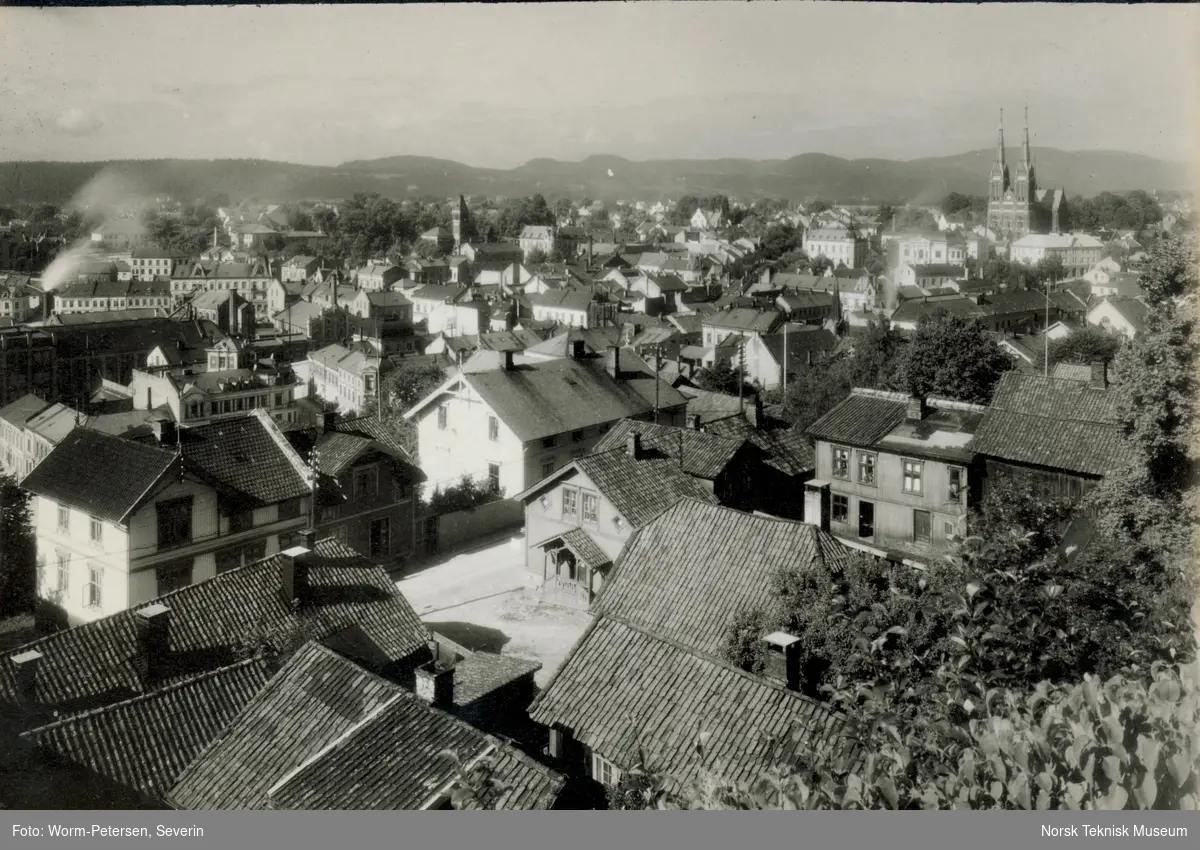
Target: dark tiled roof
[
  {"x": 478, "y": 674},
  {"x": 1058, "y": 423},
  {"x": 96, "y": 663},
  {"x": 326, "y": 734},
  {"x": 685, "y": 575},
  {"x": 585, "y": 549},
  {"x": 338, "y": 451},
  {"x": 623, "y": 686},
  {"x": 541, "y": 399},
  {"x": 99, "y": 474},
  {"x": 317, "y": 697},
  {"x": 640, "y": 490},
  {"x": 393, "y": 761},
  {"x": 244, "y": 455},
  {"x": 700, "y": 454},
  {"x": 744, "y": 319},
  {"x": 143, "y": 744},
  {"x": 862, "y": 419}
]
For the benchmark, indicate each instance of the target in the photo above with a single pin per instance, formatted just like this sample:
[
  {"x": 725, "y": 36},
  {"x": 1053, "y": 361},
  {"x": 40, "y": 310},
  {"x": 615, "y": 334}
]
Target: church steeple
[
  {"x": 1026, "y": 187},
  {"x": 999, "y": 177}
]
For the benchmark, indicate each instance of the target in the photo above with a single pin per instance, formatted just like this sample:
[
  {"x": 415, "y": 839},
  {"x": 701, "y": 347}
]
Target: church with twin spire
[{"x": 1018, "y": 206}]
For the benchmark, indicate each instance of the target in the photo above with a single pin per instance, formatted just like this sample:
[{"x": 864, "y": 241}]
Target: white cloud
[{"x": 78, "y": 121}]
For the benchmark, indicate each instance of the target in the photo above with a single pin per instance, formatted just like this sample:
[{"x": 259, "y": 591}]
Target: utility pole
[
  {"x": 741, "y": 373},
  {"x": 657, "y": 378},
  {"x": 784, "y": 387},
  {"x": 1046, "y": 334}
]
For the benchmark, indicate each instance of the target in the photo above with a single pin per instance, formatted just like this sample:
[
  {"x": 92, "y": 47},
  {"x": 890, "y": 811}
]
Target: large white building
[
  {"x": 1078, "y": 251},
  {"x": 119, "y": 522},
  {"x": 841, "y": 245}
]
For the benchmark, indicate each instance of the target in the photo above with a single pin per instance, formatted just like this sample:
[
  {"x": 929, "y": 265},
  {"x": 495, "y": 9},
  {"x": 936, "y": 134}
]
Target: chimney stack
[
  {"x": 1099, "y": 375},
  {"x": 633, "y": 446},
  {"x": 578, "y": 349},
  {"x": 613, "y": 362},
  {"x": 47, "y": 306},
  {"x": 153, "y": 628},
  {"x": 25, "y": 674},
  {"x": 435, "y": 682},
  {"x": 816, "y": 503},
  {"x": 694, "y": 421},
  {"x": 308, "y": 539},
  {"x": 327, "y": 420},
  {"x": 293, "y": 574},
  {"x": 164, "y": 432},
  {"x": 917, "y": 409},
  {"x": 508, "y": 361},
  {"x": 782, "y": 659}
]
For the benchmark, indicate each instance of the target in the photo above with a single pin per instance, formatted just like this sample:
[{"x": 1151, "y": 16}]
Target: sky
[{"x": 498, "y": 85}]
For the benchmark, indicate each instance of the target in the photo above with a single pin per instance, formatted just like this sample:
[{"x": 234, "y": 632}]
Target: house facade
[
  {"x": 511, "y": 426},
  {"x": 843, "y": 245},
  {"x": 1078, "y": 252},
  {"x": 120, "y": 522},
  {"x": 898, "y": 469},
  {"x": 348, "y": 377},
  {"x": 250, "y": 280}
]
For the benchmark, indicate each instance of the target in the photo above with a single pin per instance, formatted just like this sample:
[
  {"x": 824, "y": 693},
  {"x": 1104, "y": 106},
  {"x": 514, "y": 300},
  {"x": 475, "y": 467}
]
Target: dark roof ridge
[{"x": 171, "y": 688}]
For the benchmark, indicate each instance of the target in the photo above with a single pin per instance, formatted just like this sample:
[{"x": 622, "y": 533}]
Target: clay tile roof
[
  {"x": 98, "y": 474},
  {"x": 241, "y": 454},
  {"x": 642, "y": 489},
  {"x": 623, "y": 686},
  {"x": 699, "y": 453},
  {"x": 143, "y": 744},
  {"x": 862, "y": 419},
  {"x": 95, "y": 664},
  {"x": 684, "y": 575}
]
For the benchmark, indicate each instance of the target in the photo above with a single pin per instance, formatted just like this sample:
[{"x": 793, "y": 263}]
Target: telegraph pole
[{"x": 657, "y": 378}]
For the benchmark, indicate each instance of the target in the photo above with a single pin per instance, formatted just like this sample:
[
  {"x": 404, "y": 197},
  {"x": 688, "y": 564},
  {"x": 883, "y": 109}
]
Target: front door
[
  {"x": 381, "y": 538},
  {"x": 866, "y": 519},
  {"x": 431, "y": 535},
  {"x": 922, "y": 525}
]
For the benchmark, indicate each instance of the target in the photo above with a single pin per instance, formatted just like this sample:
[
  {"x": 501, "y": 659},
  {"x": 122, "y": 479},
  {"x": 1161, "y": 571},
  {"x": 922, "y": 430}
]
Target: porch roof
[{"x": 577, "y": 540}]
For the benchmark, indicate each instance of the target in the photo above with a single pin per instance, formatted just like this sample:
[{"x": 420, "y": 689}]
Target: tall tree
[
  {"x": 18, "y": 551},
  {"x": 953, "y": 357}
]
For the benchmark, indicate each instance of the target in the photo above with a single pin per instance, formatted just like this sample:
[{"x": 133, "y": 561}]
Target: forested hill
[{"x": 604, "y": 177}]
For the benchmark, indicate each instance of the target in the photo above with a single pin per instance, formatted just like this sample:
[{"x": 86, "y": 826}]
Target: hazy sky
[{"x": 497, "y": 85}]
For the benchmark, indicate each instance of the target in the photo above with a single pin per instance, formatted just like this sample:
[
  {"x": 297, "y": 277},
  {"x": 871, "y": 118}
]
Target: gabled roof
[
  {"x": 22, "y": 410},
  {"x": 698, "y": 453},
  {"x": 1058, "y": 423},
  {"x": 144, "y": 743},
  {"x": 541, "y": 399},
  {"x": 1133, "y": 311},
  {"x": 744, "y": 319},
  {"x": 862, "y": 419},
  {"x": 623, "y": 686},
  {"x": 595, "y": 340},
  {"x": 96, "y": 663},
  {"x": 685, "y": 575},
  {"x": 98, "y": 474},
  {"x": 248, "y": 455},
  {"x": 326, "y": 734}
]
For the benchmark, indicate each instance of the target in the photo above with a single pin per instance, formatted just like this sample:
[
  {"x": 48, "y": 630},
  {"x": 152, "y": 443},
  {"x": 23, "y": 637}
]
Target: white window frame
[
  {"x": 840, "y": 453},
  {"x": 605, "y": 772},
  {"x": 570, "y": 502},
  {"x": 95, "y": 531},
  {"x": 93, "y": 591},
  {"x": 914, "y": 476},
  {"x": 873, "y": 465},
  {"x": 64, "y": 572},
  {"x": 64, "y": 519},
  {"x": 584, "y": 497}
]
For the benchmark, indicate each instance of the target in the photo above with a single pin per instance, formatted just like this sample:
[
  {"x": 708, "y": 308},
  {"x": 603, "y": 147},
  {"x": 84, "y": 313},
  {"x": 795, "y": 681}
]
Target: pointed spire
[{"x": 1026, "y": 154}]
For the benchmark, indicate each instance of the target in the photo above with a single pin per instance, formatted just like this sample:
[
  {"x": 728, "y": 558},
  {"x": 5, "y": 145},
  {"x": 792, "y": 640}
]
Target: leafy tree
[
  {"x": 721, "y": 378},
  {"x": 815, "y": 391},
  {"x": 953, "y": 357},
  {"x": 779, "y": 240},
  {"x": 411, "y": 380},
  {"x": 1171, "y": 268},
  {"x": 537, "y": 257},
  {"x": 1085, "y": 346},
  {"x": 878, "y": 357},
  {"x": 819, "y": 265},
  {"x": 561, "y": 252},
  {"x": 18, "y": 550},
  {"x": 1051, "y": 268}
]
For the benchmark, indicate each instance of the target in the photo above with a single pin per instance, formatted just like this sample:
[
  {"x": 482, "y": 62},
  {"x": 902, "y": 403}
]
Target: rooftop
[{"x": 698, "y": 453}]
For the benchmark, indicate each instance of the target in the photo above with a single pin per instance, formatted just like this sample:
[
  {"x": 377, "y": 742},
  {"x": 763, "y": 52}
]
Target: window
[
  {"x": 230, "y": 559},
  {"x": 64, "y": 571},
  {"x": 366, "y": 483},
  {"x": 400, "y": 490},
  {"x": 956, "y": 484},
  {"x": 866, "y": 468},
  {"x": 841, "y": 462},
  {"x": 240, "y": 521},
  {"x": 591, "y": 507},
  {"x": 605, "y": 772},
  {"x": 549, "y": 442},
  {"x": 839, "y": 509},
  {"x": 493, "y": 429},
  {"x": 92, "y": 591},
  {"x": 912, "y": 476},
  {"x": 289, "y": 509},
  {"x": 577, "y": 436},
  {"x": 94, "y": 531},
  {"x": 494, "y": 477},
  {"x": 64, "y": 519},
  {"x": 172, "y": 577},
  {"x": 570, "y": 502},
  {"x": 547, "y": 468},
  {"x": 174, "y": 522},
  {"x": 442, "y": 411}
]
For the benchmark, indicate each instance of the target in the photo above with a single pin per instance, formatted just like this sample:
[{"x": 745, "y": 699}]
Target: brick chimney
[
  {"x": 782, "y": 659},
  {"x": 25, "y": 675},
  {"x": 435, "y": 682},
  {"x": 164, "y": 432},
  {"x": 152, "y": 625},
  {"x": 613, "y": 362},
  {"x": 308, "y": 539},
  {"x": 917, "y": 409},
  {"x": 816, "y": 503},
  {"x": 293, "y": 574},
  {"x": 633, "y": 446},
  {"x": 327, "y": 420},
  {"x": 1099, "y": 379},
  {"x": 508, "y": 361},
  {"x": 47, "y": 306},
  {"x": 578, "y": 349}
]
